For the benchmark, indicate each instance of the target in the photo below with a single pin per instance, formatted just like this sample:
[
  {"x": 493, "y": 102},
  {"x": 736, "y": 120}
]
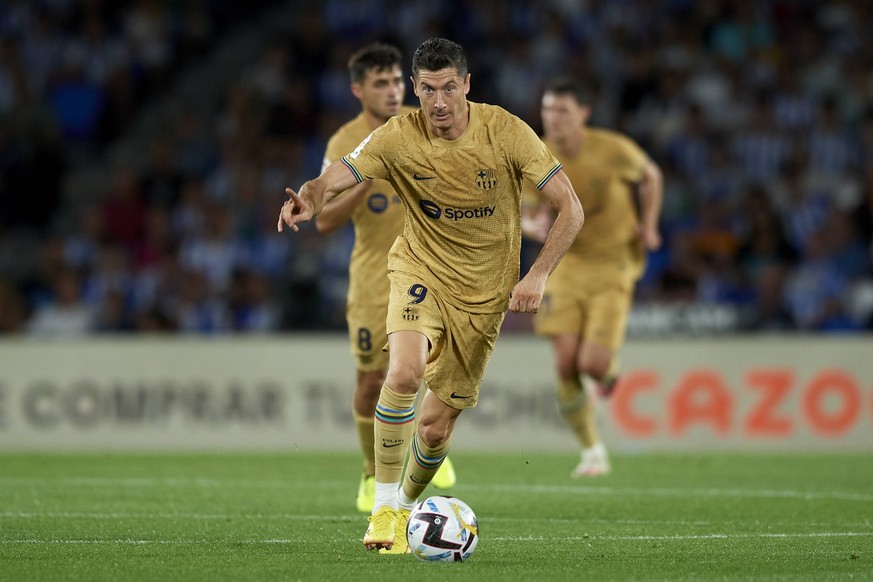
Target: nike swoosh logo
[
  {"x": 419, "y": 178},
  {"x": 387, "y": 446},
  {"x": 453, "y": 395}
]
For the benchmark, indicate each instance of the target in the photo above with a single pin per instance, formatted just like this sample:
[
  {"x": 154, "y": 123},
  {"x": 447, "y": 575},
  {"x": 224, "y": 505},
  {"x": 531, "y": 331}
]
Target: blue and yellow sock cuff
[
  {"x": 394, "y": 416},
  {"x": 423, "y": 461}
]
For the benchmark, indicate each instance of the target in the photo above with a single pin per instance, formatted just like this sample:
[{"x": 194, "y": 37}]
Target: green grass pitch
[{"x": 291, "y": 517}]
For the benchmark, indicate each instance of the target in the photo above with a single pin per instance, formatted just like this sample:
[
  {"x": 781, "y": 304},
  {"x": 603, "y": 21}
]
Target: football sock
[
  {"x": 404, "y": 501},
  {"x": 612, "y": 372},
  {"x": 393, "y": 430},
  {"x": 423, "y": 464},
  {"x": 578, "y": 411},
  {"x": 386, "y": 494},
  {"x": 365, "y": 427}
]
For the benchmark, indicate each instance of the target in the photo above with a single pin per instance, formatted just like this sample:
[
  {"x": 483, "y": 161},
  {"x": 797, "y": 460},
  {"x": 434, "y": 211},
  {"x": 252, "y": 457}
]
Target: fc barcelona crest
[{"x": 486, "y": 179}]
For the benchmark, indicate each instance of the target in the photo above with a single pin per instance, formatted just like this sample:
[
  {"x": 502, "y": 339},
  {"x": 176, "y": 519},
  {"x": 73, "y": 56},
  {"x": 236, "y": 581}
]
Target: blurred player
[
  {"x": 587, "y": 299},
  {"x": 457, "y": 167},
  {"x": 377, "y": 215}
]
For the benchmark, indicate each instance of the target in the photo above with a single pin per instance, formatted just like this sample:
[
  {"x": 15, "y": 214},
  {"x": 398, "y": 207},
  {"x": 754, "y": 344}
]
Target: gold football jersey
[
  {"x": 602, "y": 173},
  {"x": 377, "y": 220},
  {"x": 462, "y": 198}
]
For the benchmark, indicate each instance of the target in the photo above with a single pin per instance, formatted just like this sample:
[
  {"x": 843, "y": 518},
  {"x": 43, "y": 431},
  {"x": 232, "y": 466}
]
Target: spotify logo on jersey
[
  {"x": 455, "y": 214},
  {"x": 430, "y": 208}
]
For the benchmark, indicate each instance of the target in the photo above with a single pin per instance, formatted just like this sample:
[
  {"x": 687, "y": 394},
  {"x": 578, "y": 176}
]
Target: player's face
[
  {"x": 443, "y": 97},
  {"x": 562, "y": 116},
  {"x": 381, "y": 93}
]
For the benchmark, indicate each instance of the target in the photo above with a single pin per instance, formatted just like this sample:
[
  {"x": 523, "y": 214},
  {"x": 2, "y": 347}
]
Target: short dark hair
[
  {"x": 568, "y": 86},
  {"x": 374, "y": 56},
  {"x": 436, "y": 54}
]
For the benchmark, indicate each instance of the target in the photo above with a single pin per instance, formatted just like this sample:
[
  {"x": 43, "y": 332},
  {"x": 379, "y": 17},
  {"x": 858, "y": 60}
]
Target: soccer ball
[{"x": 442, "y": 529}]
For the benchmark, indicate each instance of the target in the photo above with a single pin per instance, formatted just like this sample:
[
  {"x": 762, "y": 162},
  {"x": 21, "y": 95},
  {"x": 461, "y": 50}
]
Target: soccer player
[
  {"x": 377, "y": 215},
  {"x": 458, "y": 168},
  {"x": 587, "y": 299}
]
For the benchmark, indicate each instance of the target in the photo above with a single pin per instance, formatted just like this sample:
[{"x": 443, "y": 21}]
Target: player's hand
[
  {"x": 527, "y": 295},
  {"x": 295, "y": 210},
  {"x": 650, "y": 237}
]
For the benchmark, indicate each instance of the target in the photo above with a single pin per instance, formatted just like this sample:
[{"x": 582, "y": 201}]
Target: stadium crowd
[{"x": 759, "y": 113}]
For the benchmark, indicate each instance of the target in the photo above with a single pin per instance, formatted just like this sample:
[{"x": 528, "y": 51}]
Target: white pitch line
[
  {"x": 351, "y": 519},
  {"x": 712, "y": 536},
  {"x": 533, "y": 489},
  {"x": 672, "y": 492},
  {"x": 192, "y": 516},
  {"x": 152, "y": 482}
]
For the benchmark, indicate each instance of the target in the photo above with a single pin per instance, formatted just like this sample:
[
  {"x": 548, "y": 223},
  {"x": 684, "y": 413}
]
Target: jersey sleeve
[
  {"x": 331, "y": 153},
  {"x": 530, "y": 196},
  {"x": 367, "y": 162},
  {"x": 632, "y": 160},
  {"x": 535, "y": 161}
]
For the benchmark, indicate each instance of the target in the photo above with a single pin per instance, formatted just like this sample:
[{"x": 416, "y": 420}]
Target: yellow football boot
[
  {"x": 445, "y": 477},
  {"x": 380, "y": 531},
  {"x": 366, "y": 493},
  {"x": 401, "y": 544}
]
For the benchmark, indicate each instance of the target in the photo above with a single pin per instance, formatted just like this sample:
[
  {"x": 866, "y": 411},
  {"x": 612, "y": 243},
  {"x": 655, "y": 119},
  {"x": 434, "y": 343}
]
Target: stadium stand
[{"x": 145, "y": 146}]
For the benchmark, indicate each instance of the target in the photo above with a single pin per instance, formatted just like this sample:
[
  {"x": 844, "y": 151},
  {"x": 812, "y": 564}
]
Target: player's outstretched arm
[
  {"x": 302, "y": 206},
  {"x": 339, "y": 210},
  {"x": 528, "y": 293}
]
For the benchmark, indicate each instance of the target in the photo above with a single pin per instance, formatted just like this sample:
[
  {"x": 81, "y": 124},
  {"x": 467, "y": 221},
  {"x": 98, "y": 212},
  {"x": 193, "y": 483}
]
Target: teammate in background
[
  {"x": 587, "y": 299},
  {"x": 458, "y": 168},
  {"x": 377, "y": 215}
]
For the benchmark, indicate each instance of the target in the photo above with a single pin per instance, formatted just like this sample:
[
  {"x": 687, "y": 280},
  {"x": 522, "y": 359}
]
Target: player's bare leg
[
  {"x": 600, "y": 364},
  {"x": 367, "y": 389},
  {"x": 577, "y": 406},
  {"x": 393, "y": 431},
  {"x": 430, "y": 445}
]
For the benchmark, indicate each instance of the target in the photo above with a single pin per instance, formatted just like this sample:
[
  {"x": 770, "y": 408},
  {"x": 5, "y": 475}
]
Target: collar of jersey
[{"x": 453, "y": 143}]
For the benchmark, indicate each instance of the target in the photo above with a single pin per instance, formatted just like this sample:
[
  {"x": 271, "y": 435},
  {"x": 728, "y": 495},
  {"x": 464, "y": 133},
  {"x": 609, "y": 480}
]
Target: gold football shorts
[
  {"x": 595, "y": 309},
  {"x": 460, "y": 342},
  {"x": 367, "y": 336}
]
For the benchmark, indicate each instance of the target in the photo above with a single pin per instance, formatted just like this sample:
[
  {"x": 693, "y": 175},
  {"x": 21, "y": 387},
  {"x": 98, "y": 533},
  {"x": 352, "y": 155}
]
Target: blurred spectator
[
  {"x": 846, "y": 249},
  {"x": 161, "y": 179},
  {"x": 765, "y": 242},
  {"x": 124, "y": 210},
  {"x": 78, "y": 102},
  {"x": 251, "y": 307},
  {"x": 814, "y": 290},
  {"x": 760, "y": 149},
  {"x": 65, "y": 313},
  {"x": 197, "y": 309},
  {"x": 13, "y": 310},
  {"x": 217, "y": 252},
  {"x": 147, "y": 26},
  {"x": 113, "y": 315},
  {"x": 770, "y": 312}
]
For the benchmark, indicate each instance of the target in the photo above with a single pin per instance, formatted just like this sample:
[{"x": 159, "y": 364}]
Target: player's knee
[
  {"x": 370, "y": 384},
  {"x": 433, "y": 434},
  {"x": 597, "y": 369},
  {"x": 404, "y": 378},
  {"x": 365, "y": 404}
]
